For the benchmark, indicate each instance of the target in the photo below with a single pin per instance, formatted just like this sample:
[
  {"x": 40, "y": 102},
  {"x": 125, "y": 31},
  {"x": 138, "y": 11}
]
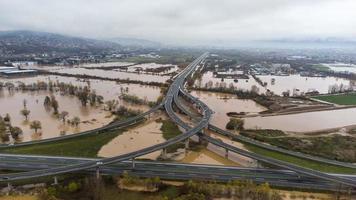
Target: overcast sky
[{"x": 184, "y": 21}]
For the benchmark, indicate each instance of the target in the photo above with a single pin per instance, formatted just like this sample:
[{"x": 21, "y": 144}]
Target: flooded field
[
  {"x": 303, "y": 84},
  {"x": 113, "y": 74},
  {"x": 206, "y": 156},
  {"x": 84, "y": 65},
  {"x": 136, "y": 138},
  {"x": 233, "y": 157},
  {"x": 305, "y": 122},
  {"x": 91, "y": 116},
  {"x": 341, "y": 67},
  {"x": 105, "y": 64},
  {"x": 151, "y": 66},
  {"x": 209, "y": 81},
  {"x": 108, "y": 89},
  {"x": 278, "y": 86},
  {"x": 223, "y": 103},
  {"x": 215, "y": 155}
]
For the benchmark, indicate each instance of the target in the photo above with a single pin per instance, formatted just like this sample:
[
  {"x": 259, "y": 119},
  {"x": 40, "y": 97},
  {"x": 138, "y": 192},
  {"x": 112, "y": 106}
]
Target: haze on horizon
[{"x": 184, "y": 22}]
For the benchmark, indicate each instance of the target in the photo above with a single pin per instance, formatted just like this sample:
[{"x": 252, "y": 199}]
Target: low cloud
[{"x": 183, "y": 21}]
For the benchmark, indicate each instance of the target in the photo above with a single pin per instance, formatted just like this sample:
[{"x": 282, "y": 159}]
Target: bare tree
[
  {"x": 25, "y": 113},
  {"x": 36, "y": 125}
]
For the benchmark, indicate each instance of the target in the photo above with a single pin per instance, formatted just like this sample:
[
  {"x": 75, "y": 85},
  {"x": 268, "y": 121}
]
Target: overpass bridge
[{"x": 201, "y": 123}]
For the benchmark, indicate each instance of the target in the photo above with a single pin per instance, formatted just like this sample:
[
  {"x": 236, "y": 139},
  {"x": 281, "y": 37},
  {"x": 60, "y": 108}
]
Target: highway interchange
[{"x": 290, "y": 176}]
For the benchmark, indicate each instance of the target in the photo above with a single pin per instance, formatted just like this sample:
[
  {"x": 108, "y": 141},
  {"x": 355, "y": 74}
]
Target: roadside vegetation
[
  {"x": 132, "y": 188},
  {"x": 81, "y": 146},
  {"x": 300, "y": 162},
  {"x": 170, "y": 130},
  {"x": 262, "y": 133},
  {"x": 7, "y": 131},
  {"x": 235, "y": 124},
  {"x": 340, "y": 99},
  {"x": 334, "y": 147}
]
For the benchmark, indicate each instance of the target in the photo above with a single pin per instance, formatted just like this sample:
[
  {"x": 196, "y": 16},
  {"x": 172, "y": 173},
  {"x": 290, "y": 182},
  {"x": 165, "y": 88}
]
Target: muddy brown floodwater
[
  {"x": 91, "y": 116},
  {"x": 242, "y": 84},
  {"x": 223, "y": 103},
  {"x": 144, "y": 135},
  {"x": 305, "y": 122},
  {"x": 303, "y": 84},
  {"x": 108, "y": 89},
  {"x": 206, "y": 156}
]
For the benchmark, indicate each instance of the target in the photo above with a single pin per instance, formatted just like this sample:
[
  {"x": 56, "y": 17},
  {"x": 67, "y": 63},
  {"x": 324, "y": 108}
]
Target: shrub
[{"x": 235, "y": 124}]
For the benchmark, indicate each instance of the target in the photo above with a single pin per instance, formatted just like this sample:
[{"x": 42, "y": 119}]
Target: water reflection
[
  {"x": 305, "y": 122},
  {"x": 303, "y": 84},
  {"x": 134, "y": 139},
  {"x": 91, "y": 117},
  {"x": 209, "y": 81},
  {"x": 223, "y": 103}
]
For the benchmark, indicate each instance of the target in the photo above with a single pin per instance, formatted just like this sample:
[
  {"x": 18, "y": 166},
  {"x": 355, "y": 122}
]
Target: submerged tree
[
  {"x": 63, "y": 115},
  {"x": 36, "y": 125},
  {"x": 47, "y": 101},
  {"x": 25, "y": 113},
  {"x": 54, "y": 104},
  {"x": 24, "y": 103},
  {"x": 15, "y": 132},
  {"x": 111, "y": 105},
  {"x": 4, "y": 137},
  {"x": 76, "y": 121},
  {"x": 235, "y": 124},
  {"x": 7, "y": 118}
]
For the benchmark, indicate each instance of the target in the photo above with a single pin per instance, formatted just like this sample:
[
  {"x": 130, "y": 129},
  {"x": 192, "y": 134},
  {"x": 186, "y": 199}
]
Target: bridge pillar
[
  {"x": 200, "y": 140},
  {"x": 187, "y": 144},
  {"x": 97, "y": 173},
  {"x": 133, "y": 163},
  {"x": 9, "y": 188},
  {"x": 226, "y": 153},
  {"x": 55, "y": 180},
  {"x": 164, "y": 153},
  {"x": 258, "y": 164}
]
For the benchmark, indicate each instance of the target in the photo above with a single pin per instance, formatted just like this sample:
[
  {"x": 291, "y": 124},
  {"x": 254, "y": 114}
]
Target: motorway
[
  {"x": 274, "y": 162},
  {"x": 173, "y": 171},
  {"x": 172, "y": 91},
  {"x": 177, "y": 88},
  {"x": 246, "y": 140}
]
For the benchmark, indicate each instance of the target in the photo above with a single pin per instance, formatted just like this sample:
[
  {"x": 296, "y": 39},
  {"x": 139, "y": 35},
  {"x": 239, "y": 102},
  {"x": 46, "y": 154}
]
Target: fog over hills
[
  {"x": 18, "y": 42},
  {"x": 135, "y": 42}
]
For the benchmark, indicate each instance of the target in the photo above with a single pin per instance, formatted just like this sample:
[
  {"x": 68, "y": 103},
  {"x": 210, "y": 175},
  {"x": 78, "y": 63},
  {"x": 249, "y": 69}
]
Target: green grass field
[
  {"x": 342, "y": 99},
  {"x": 301, "y": 162},
  {"x": 82, "y": 146},
  {"x": 170, "y": 130},
  {"x": 321, "y": 68}
]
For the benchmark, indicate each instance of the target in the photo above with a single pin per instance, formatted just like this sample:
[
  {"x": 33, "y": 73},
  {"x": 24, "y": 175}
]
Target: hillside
[{"x": 22, "y": 42}]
